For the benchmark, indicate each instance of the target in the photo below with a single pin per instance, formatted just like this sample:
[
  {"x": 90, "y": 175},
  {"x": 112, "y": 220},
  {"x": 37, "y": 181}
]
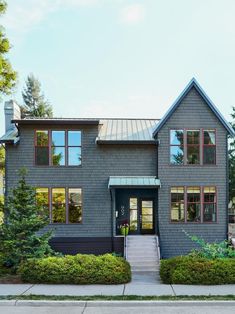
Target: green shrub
[
  {"x": 78, "y": 269},
  {"x": 197, "y": 271}
]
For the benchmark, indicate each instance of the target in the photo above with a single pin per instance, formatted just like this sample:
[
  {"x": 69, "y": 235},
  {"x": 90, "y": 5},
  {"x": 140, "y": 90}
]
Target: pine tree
[
  {"x": 19, "y": 238},
  {"x": 7, "y": 74},
  {"x": 35, "y": 104},
  {"x": 232, "y": 162}
]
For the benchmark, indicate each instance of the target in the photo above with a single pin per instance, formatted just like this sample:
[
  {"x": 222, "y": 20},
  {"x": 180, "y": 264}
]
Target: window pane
[
  {"x": 209, "y": 214},
  {"x": 74, "y": 156},
  {"x": 177, "y": 137},
  {"x": 133, "y": 219},
  {"x": 58, "y": 138},
  {"x": 42, "y": 199},
  {"x": 209, "y": 155},
  {"x": 75, "y": 205},
  {"x": 193, "y": 194},
  {"x": 193, "y": 137},
  {"x": 177, "y": 155},
  {"x": 42, "y": 138},
  {"x": 133, "y": 203},
  {"x": 209, "y": 137},
  {"x": 177, "y": 211},
  {"x": 193, "y": 212},
  {"x": 74, "y": 138},
  {"x": 58, "y": 156},
  {"x": 193, "y": 155},
  {"x": 58, "y": 205},
  {"x": 209, "y": 195},
  {"x": 42, "y": 156}
]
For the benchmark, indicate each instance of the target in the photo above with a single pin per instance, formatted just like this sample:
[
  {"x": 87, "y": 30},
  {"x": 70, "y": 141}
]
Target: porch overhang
[{"x": 133, "y": 182}]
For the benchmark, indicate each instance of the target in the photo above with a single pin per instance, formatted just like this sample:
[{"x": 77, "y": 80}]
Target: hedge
[
  {"x": 197, "y": 271},
  {"x": 77, "y": 269}
]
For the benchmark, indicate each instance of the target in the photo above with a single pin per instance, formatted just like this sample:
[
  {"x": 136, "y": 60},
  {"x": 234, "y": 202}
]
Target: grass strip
[{"x": 120, "y": 298}]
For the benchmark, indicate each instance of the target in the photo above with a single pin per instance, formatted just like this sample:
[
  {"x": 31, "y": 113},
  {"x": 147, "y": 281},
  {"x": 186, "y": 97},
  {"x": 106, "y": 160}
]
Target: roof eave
[
  {"x": 54, "y": 122},
  {"x": 131, "y": 142}
]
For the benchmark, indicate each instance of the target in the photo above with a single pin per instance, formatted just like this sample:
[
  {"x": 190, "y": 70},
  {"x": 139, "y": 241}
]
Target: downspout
[
  {"x": 227, "y": 190},
  {"x": 158, "y": 232}
]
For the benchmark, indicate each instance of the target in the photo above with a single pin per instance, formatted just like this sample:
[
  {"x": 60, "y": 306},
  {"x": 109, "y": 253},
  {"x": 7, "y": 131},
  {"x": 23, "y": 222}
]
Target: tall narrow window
[
  {"x": 42, "y": 200},
  {"x": 133, "y": 213},
  {"x": 74, "y": 148},
  {"x": 209, "y": 204},
  {"x": 58, "y": 148},
  {"x": 193, "y": 204},
  {"x": 177, "y": 204},
  {"x": 75, "y": 205},
  {"x": 42, "y": 148},
  {"x": 58, "y": 205},
  {"x": 177, "y": 147},
  {"x": 193, "y": 147},
  {"x": 209, "y": 147}
]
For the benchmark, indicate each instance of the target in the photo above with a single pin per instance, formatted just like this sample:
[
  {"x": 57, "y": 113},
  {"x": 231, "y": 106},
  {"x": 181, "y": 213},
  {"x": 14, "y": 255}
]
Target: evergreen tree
[
  {"x": 7, "y": 74},
  {"x": 19, "y": 238},
  {"x": 35, "y": 104},
  {"x": 232, "y": 162}
]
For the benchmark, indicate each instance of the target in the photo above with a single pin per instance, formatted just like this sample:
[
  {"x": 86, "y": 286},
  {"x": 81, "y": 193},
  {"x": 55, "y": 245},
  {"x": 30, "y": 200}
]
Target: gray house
[{"x": 162, "y": 177}]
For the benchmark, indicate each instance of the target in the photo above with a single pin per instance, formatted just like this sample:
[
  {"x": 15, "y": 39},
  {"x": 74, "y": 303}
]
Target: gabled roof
[
  {"x": 126, "y": 131},
  {"x": 194, "y": 84}
]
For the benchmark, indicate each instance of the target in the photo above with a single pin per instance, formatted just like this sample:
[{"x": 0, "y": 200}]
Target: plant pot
[{"x": 124, "y": 231}]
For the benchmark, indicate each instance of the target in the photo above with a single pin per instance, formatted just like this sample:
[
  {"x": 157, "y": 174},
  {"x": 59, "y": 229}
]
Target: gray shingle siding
[
  {"x": 98, "y": 163},
  {"x": 192, "y": 113}
]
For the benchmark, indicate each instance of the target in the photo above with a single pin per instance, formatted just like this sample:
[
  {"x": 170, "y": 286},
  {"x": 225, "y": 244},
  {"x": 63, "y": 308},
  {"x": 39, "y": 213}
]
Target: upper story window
[
  {"x": 193, "y": 147},
  {"x": 177, "y": 147},
  {"x": 209, "y": 147},
  {"x": 58, "y": 148}
]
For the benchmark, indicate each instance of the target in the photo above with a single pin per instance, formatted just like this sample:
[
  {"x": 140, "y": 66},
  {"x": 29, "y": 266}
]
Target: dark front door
[{"x": 141, "y": 215}]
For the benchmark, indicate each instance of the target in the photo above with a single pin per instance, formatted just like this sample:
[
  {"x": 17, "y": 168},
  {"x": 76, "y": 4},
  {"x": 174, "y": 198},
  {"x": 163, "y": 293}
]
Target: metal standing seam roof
[
  {"x": 126, "y": 130},
  {"x": 133, "y": 181},
  {"x": 194, "y": 83},
  {"x": 10, "y": 136}
]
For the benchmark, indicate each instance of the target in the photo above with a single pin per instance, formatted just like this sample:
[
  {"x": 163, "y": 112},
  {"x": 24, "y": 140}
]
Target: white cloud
[{"x": 132, "y": 14}]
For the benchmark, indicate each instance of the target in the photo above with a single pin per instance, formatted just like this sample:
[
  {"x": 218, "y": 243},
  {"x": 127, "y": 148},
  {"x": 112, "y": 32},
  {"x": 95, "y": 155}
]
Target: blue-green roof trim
[
  {"x": 133, "y": 181},
  {"x": 194, "y": 84}
]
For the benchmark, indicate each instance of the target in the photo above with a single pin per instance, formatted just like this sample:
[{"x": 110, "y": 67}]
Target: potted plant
[{"x": 124, "y": 228}]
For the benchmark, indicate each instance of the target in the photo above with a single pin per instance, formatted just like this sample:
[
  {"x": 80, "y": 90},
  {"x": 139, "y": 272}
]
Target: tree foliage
[
  {"x": 35, "y": 104},
  {"x": 232, "y": 161},
  {"x": 7, "y": 74},
  {"x": 19, "y": 238}
]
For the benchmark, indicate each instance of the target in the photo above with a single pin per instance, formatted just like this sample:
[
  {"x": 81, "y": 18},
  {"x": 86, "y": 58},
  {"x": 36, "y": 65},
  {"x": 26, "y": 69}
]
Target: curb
[{"x": 42, "y": 303}]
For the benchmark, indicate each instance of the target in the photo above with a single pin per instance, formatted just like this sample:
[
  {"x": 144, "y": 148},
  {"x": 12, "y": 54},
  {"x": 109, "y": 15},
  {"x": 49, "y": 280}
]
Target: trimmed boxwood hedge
[
  {"x": 77, "y": 269},
  {"x": 197, "y": 271}
]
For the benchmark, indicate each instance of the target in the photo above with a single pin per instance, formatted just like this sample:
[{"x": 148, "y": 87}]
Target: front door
[{"x": 141, "y": 215}]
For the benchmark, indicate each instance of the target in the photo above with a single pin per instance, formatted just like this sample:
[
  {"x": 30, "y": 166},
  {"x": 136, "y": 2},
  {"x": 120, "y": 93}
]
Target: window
[
  {"x": 209, "y": 206},
  {"x": 193, "y": 147},
  {"x": 190, "y": 144},
  {"x": 209, "y": 147},
  {"x": 42, "y": 148},
  {"x": 42, "y": 199},
  {"x": 65, "y": 205},
  {"x": 177, "y": 147},
  {"x": 177, "y": 204},
  {"x": 194, "y": 204},
  {"x": 58, "y": 148},
  {"x": 74, "y": 148},
  {"x": 75, "y": 205},
  {"x": 63, "y": 147}
]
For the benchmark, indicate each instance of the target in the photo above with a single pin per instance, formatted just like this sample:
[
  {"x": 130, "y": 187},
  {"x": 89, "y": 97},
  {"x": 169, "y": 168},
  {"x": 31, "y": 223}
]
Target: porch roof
[{"x": 133, "y": 181}]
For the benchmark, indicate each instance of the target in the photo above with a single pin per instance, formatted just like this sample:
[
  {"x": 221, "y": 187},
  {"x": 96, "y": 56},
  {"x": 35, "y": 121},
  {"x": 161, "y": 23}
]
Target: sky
[{"x": 122, "y": 58}]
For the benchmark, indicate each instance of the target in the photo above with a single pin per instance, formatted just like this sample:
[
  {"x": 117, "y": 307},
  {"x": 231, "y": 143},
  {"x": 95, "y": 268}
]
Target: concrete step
[
  {"x": 144, "y": 269},
  {"x": 143, "y": 264}
]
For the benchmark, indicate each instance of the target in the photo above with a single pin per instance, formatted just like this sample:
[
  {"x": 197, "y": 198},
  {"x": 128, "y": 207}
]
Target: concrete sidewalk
[{"x": 141, "y": 285}]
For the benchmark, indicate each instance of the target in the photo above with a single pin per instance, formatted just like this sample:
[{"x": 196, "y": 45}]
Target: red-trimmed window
[
  {"x": 209, "y": 204},
  {"x": 209, "y": 147},
  {"x": 177, "y": 147},
  {"x": 42, "y": 200},
  {"x": 193, "y": 147},
  {"x": 177, "y": 204},
  {"x": 193, "y": 204},
  {"x": 42, "y": 148},
  {"x": 58, "y": 148}
]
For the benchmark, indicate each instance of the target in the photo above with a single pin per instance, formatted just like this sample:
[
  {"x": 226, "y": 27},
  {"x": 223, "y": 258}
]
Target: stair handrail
[{"x": 158, "y": 247}]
